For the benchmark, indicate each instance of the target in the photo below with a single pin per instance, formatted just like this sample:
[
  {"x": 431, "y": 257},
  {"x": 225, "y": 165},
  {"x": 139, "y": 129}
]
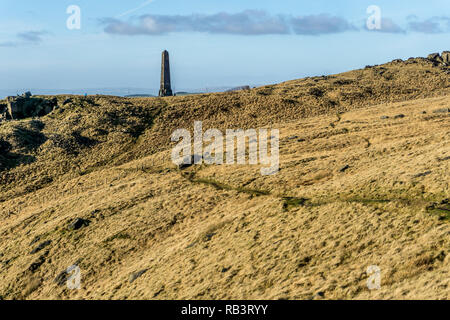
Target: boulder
[
  {"x": 446, "y": 57},
  {"x": 26, "y": 106},
  {"x": 433, "y": 56},
  {"x": 436, "y": 59},
  {"x": 78, "y": 223}
]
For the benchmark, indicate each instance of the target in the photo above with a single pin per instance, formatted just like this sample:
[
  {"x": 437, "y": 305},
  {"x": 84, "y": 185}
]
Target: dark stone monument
[{"x": 165, "y": 89}]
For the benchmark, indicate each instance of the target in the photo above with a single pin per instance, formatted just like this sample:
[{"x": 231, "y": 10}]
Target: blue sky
[{"x": 212, "y": 43}]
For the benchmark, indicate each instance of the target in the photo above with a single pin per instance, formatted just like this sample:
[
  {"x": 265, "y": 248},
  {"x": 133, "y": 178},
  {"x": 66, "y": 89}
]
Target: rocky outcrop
[
  {"x": 446, "y": 57},
  {"x": 438, "y": 59},
  {"x": 26, "y": 106},
  {"x": 2, "y": 112}
]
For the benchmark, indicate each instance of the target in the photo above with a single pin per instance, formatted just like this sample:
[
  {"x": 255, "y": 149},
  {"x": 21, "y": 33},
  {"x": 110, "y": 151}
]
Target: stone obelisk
[{"x": 165, "y": 89}]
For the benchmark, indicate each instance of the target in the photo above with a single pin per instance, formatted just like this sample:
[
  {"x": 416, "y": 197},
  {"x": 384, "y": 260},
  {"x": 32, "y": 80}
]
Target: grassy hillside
[{"x": 364, "y": 180}]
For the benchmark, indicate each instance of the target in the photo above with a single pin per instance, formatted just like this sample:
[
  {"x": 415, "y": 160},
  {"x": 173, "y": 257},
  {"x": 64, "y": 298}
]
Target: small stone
[
  {"x": 344, "y": 168},
  {"x": 225, "y": 269},
  {"x": 41, "y": 246},
  {"x": 35, "y": 265},
  {"x": 136, "y": 275},
  {"x": 319, "y": 295},
  {"x": 422, "y": 174},
  {"x": 36, "y": 239},
  {"x": 61, "y": 279},
  {"x": 78, "y": 223},
  {"x": 399, "y": 116},
  {"x": 384, "y": 117}
]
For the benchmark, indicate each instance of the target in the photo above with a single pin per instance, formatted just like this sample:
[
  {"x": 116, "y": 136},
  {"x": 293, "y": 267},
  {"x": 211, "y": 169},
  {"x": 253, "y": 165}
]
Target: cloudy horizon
[{"x": 212, "y": 44}]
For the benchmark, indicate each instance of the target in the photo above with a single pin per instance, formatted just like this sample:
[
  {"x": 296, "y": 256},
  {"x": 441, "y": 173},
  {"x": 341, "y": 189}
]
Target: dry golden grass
[{"x": 226, "y": 232}]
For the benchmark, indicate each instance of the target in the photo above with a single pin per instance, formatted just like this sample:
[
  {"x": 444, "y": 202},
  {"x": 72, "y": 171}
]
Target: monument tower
[{"x": 165, "y": 89}]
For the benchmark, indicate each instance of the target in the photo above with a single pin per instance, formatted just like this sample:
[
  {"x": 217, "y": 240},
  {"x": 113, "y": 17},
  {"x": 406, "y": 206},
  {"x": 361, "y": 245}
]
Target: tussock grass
[{"x": 226, "y": 232}]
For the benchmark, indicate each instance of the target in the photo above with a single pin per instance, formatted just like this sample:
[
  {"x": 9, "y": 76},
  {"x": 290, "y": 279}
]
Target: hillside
[{"x": 364, "y": 180}]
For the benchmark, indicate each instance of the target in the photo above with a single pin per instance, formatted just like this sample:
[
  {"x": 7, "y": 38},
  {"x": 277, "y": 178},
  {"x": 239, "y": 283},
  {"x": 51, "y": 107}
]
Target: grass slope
[{"x": 154, "y": 232}]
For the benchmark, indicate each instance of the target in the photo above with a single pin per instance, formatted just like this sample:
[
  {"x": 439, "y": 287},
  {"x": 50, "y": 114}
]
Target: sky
[{"x": 212, "y": 43}]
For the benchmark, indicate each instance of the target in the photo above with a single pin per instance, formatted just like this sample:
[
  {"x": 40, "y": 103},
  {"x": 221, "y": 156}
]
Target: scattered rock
[
  {"x": 399, "y": 116},
  {"x": 384, "y": 117},
  {"x": 441, "y": 209},
  {"x": 209, "y": 236},
  {"x": 441, "y": 256},
  {"x": 316, "y": 92},
  {"x": 422, "y": 174},
  {"x": 36, "y": 239},
  {"x": 301, "y": 140},
  {"x": 36, "y": 265},
  {"x": 136, "y": 275},
  {"x": 319, "y": 295},
  {"x": 292, "y": 137},
  {"x": 444, "y": 158},
  {"x": 95, "y": 213},
  {"x": 78, "y": 224},
  {"x": 443, "y": 110},
  {"x": 344, "y": 168},
  {"x": 41, "y": 246},
  {"x": 304, "y": 262},
  {"x": 61, "y": 279}
]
